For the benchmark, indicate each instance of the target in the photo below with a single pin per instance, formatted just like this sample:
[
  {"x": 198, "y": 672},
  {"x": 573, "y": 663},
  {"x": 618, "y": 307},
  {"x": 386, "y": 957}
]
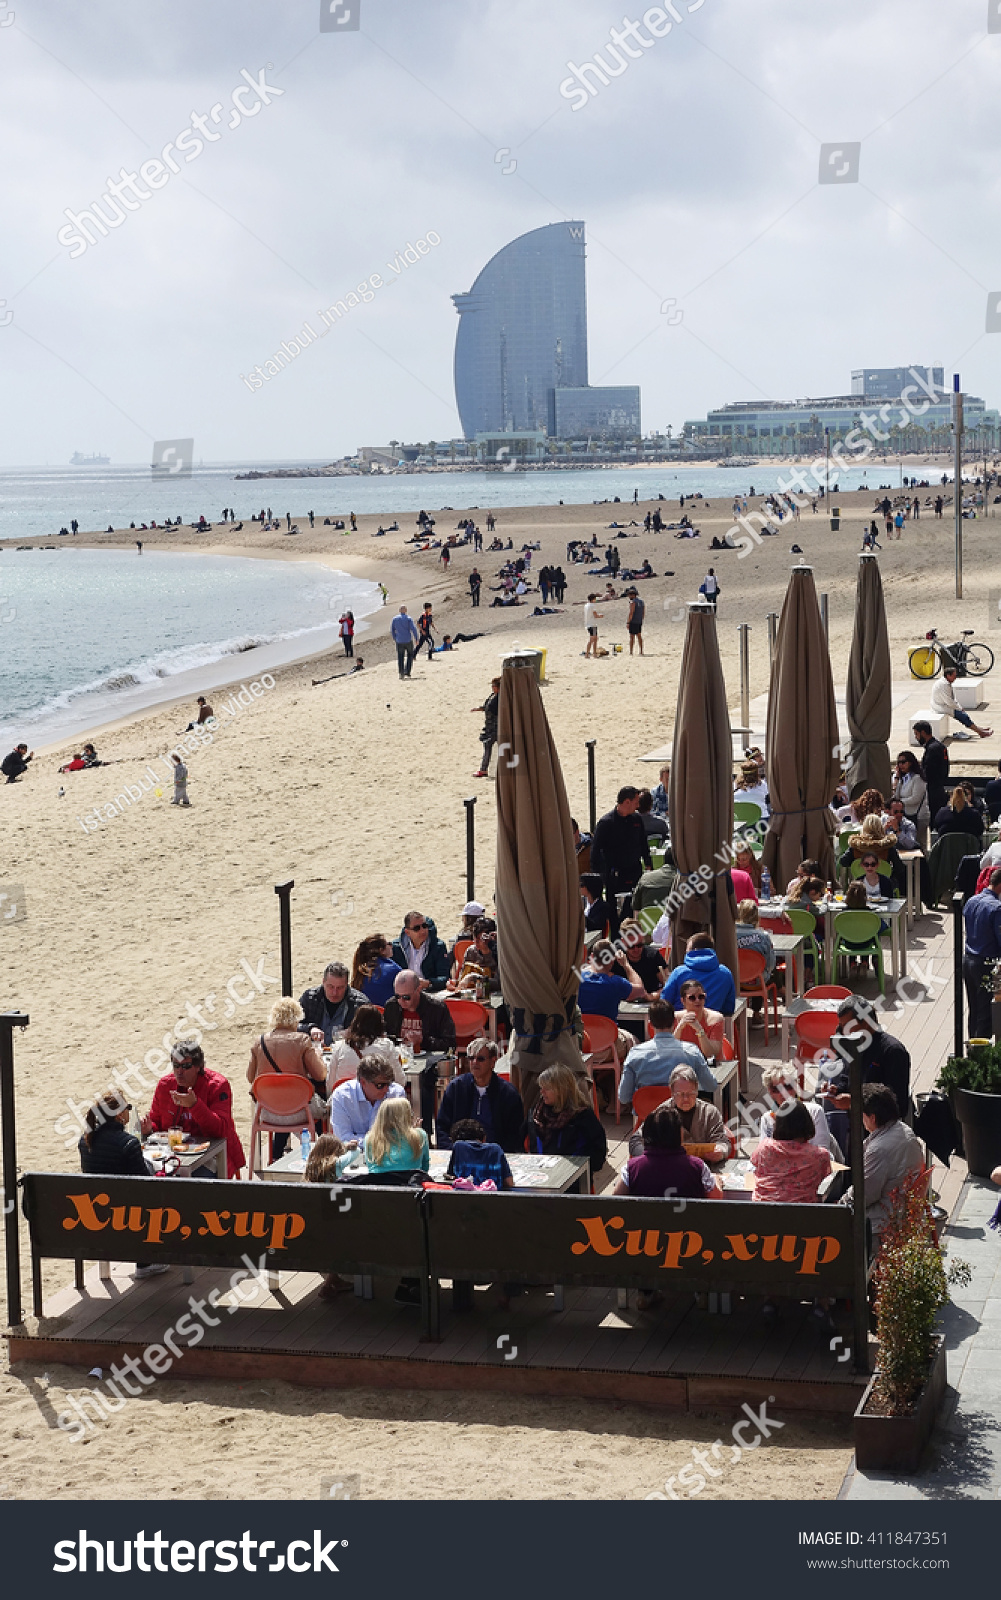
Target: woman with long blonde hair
[
  {"x": 562, "y": 1121},
  {"x": 394, "y": 1143}
]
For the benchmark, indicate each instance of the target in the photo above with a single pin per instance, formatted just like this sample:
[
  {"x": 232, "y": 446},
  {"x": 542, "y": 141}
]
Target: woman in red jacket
[{"x": 191, "y": 1097}]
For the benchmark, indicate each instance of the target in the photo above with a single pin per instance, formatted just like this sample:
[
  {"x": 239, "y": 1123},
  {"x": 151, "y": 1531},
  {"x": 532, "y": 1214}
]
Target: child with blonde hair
[{"x": 393, "y": 1143}]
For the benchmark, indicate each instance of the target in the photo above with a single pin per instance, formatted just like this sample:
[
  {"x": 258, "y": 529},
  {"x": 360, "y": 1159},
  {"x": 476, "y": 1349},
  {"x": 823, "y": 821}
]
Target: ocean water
[
  {"x": 87, "y": 636},
  {"x": 41, "y": 500}
]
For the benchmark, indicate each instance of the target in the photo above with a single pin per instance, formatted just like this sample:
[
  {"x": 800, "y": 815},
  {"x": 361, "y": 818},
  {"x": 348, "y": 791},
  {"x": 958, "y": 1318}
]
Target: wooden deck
[{"x": 678, "y": 1356}]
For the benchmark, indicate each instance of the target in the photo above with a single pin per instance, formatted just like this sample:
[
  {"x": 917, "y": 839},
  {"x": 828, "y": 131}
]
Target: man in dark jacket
[
  {"x": 419, "y": 949},
  {"x": 414, "y": 1018},
  {"x": 883, "y": 1058},
  {"x": 13, "y": 765},
  {"x": 332, "y": 1004},
  {"x": 489, "y": 1100},
  {"x": 934, "y": 766},
  {"x": 620, "y": 849}
]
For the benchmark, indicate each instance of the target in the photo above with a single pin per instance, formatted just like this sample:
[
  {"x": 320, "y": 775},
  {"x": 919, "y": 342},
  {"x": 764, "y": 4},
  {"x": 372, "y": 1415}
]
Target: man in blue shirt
[
  {"x": 405, "y": 639},
  {"x": 601, "y": 992},
  {"x": 982, "y": 915},
  {"x": 702, "y": 962},
  {"x": 654, "y": 1061}
]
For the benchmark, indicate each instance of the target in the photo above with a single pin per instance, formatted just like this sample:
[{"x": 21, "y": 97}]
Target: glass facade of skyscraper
[{"x": 522, "y": 332}]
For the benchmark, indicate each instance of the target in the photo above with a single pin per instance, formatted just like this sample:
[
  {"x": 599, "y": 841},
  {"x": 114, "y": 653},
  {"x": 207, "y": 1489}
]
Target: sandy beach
[{"x": 355, "y": 789}]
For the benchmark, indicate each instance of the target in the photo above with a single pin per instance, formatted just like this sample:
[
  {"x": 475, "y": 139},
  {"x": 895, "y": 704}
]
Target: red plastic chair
[
  {"x": 780, "y": 924},
  {"x": 470, "y": 1018},
  {"x": 647, "y": 1100},
  {"x": 814, "y": 1031},
  {"x": 282, "y": 1094},
  {"x": 751, "y": 966},
  {"x": 828, "y": 991},
  {"x": 458, "y": 954},
  {"x": 600, "y": 1033}
]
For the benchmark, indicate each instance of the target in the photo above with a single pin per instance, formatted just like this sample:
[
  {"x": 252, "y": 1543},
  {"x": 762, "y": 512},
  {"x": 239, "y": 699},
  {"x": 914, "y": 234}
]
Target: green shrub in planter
[{"x": 980, "y": 1073}]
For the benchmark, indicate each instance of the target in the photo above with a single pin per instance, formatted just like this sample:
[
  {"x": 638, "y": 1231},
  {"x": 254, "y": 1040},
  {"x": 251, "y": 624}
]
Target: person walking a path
[
  {"x": 591, "y": 620},
  {"x": 180, "y": 797},
  {"x": 475, "y": 582},
  {"x": 709, "y": 587},
  {"x": 637, "y": 610}
]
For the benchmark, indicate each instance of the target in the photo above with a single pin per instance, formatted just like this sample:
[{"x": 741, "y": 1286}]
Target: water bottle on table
[
  {"x": 304, "y": 1145},
  {"x": 766, "y": 884}
]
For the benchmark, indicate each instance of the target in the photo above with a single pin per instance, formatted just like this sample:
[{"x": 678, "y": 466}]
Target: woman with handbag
[{"x": 284, "y": 1049}]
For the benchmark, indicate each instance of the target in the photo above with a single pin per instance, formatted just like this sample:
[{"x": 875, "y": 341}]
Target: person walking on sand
[
  {"x": 347, "y": 627},
  {"x": 139, "y": 546},
  {"x": 425, "y": 629},
  {"x": 180, "y": 782},
  {"x": 709, "y": 587},
  {"x": 637, "y": 608},
  {"x": 591, "y": 620},
  {"x": 405, "y": 639},
  {"x": 475, "y": 583},
  {"x": 488, "y": 735},
  {"x": 384, "y": 592},
  {"x": 354, "y": 523},
  {"x": 445, "y": 556}
]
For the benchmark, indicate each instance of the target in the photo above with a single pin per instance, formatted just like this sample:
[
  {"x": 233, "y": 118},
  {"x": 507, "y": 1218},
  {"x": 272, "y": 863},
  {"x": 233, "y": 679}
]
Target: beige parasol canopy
[
  {"x": 540, "y": 919},
  {"x": 868, "y": 697},
  {"x": 802, "y": 741},
  {"x": 700, "y": 799}
]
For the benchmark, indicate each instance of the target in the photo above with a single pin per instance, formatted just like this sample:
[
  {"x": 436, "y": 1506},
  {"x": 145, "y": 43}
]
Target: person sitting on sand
[{"x": 205, "y": 712}]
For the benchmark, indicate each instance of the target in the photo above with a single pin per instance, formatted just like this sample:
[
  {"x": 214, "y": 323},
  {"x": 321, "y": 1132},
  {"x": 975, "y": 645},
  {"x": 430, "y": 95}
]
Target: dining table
[{"x": 892, "y": 911}]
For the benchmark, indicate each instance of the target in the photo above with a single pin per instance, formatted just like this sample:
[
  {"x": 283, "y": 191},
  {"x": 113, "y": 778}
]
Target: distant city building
[
  {"x": 798, "y": 427},
  {"x": 522, "y": 342},
  {"x": 889, "y": 383}
]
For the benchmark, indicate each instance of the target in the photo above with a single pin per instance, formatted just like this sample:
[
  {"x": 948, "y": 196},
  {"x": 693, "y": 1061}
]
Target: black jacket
[
  {"x": 13, "y": 765},
  {"x": 435, "y": 966},
  {"x": 620, "y": 849},
  {"x": 113, "y": 1151},
  {"x": 318, "y": 1010},
  {"x": 506, "y": 1111},
  {"x": 935, "y": 771},
  {"x": 583, "y": 1135},
  {"x": 436, "y": 1022},
  {"x": 887, "y": 1061},
  {"x": 966, "y": 821}
]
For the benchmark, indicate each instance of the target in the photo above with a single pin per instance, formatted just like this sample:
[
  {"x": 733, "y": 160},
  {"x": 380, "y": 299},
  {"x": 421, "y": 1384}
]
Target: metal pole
[
  {"x": 957, "y": 974},
  {"x": 592, "y": 792},
  {"x": 470, "y": 847},
  {"x": 284, "y": 893},
  {"x": 824, "y": 618},
  {"x": 860, "y": 1301},
  {"x": 744, "y": 642},
  {"x": 958, "y": 486},
  {"x": 827, "y": 475},
  {"x": 772, "y": 620},
  {"x": 9, "y": 1020}
]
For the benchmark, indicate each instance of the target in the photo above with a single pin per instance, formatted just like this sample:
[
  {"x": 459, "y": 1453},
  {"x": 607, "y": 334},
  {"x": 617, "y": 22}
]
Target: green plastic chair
[
  {"x": 846, "y": 834},
  {"x": 805, "y": 922},
  {"x": 862, "y": 929},
  {"x": 746, "y": 811}
]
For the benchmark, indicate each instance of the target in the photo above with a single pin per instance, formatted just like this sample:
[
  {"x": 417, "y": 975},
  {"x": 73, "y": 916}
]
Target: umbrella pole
[
  {"x": 284, "y": 893},
  {"x": 957, "y": 973},
  {"x": 592, "y": 793},
  {"x": 470, "y": 848}
]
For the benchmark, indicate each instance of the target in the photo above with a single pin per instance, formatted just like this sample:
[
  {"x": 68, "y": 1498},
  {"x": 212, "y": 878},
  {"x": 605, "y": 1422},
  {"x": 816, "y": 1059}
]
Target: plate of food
[
  {"x": 196, "y": 1149},
  {"x": 707, "y": 1151}
]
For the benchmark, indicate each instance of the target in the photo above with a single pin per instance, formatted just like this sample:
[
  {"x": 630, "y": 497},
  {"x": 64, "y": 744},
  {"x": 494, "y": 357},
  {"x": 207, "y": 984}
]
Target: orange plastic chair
[
  {"x": 647, "y": 1100},
  {"x": 751, "y": 966},
  {"x": 780, "y": 924},
  {"x": 281, "y": 1094},
  {"x": 470, "y": 1018},
  {"x": 828, "y": 991},
  {"x": 814, "y": 1030},
  {"x": 600, "y": 1033},
  {"x": 459, "y": 954}
]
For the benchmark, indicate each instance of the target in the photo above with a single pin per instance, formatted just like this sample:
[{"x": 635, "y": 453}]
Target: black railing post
[
  {"x": 470, "y": 849},
  {"x": 957, "y": 974},
  {"x": 9, "y": 1020},
  {"x": 848, "y": 1046},
  {"x": 592, "y": 793},
  {"x": 284, "y": 893}
]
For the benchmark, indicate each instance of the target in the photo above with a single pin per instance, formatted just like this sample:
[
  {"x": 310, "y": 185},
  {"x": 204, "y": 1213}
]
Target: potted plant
[
  {"x": 896, "y": 1415},
  {"x": 973, "y": 1084}
]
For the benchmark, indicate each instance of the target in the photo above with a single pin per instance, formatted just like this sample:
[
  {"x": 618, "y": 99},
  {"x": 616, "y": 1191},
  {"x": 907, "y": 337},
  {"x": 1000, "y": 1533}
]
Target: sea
[{"x": 88, "y": 636}]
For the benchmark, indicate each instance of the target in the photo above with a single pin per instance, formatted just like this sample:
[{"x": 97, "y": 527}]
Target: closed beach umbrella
[
  {"x": 802, "y": 739},
  {"x": 700, "y": 799},
  {"x": 540, "y": 919},
  {"x": 868, "y": 698}
]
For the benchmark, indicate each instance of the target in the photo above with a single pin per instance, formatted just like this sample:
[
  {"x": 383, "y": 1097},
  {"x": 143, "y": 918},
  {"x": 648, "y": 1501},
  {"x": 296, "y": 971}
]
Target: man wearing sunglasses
[
  {"x": 413, "y": 1017},
  {"x": 198, "y": 1101},
  {"x": 419, "y": 950},
  {"x": 353, "y": 1105},
  {"x": 479, "y": 1094}
]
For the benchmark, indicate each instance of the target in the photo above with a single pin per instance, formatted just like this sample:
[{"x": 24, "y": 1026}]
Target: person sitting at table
[
  {"x": 419, "y": 949},
  {"x": 780, "y": 1085},
  {"x": 651, "y": 1063},
  {"x": 701, "y": 1122},
  {"x": 597, "y": 910},
  {"x": 365, "y": 1037},
  {"x": 882, "y": 1057},
  {"x": 330, "y": 1006},
  {"x": 562, "y": 1123},
  {"x": 876, "y": 886},
  {"x": 395, "y": 1143},
  {"x": 479, "y": 964},
  {"x": 353, "y": 1105},
  {"x": 752, "y": 788},
  {"x": 107, "y": 1147},
  {"x": 482, "y": 1095},
  {"x": 696, "y": 1024},
  {"x": 416, "y": 1018},
  {"x": 891, "y": 1154},
  {"x": 805, "y": 894},
  {"x": 656, "y": 827},
  {"x": 643, "y": 956},
  {"x": 197, "y": 1100},
  {"x": 873, "y": 838},
  {"x": 328, "y": 1161},
  {"x": 601, "y": 992},
  {"x": 751, "y": 936},
  {"x": 740, "y": 883},
  {"x": 373, "y": 970},
  {"x": 656, "y": 886},
  {"x": 284, "y": 1049},
  {"x": 476, "y": 1158},
  {"x": 746, "y": 861},
  {"x": 958, "y": 816},
  {"x": 788, "y": 1163},
  {"x": 661, "y": 1167},
  {"x": 702, "y": 962},
  {"x": 806, "y": 869},
  {"x": 895, "y": 821}
]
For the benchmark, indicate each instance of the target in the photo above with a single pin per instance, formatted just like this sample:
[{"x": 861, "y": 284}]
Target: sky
[{"x": 719, "y": 266}]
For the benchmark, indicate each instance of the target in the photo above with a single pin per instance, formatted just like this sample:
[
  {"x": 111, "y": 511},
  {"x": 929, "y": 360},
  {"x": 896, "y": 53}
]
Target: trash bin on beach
[
  {"x": 835, "y": 518},
  {"x": 537, "y": 658}
]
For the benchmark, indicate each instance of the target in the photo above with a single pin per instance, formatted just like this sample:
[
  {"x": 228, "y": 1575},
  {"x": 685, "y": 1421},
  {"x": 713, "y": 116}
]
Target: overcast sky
[{"x": 696, "y": 171}]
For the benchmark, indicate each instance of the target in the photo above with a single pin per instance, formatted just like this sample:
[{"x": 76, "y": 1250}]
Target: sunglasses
[
  {"x": 869, "y": 863},
  {"x": 695, "y": 994},
  {"x": 417, "y": 927}
]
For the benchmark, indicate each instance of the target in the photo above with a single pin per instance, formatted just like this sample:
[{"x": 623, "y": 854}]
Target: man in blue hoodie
[
  {"x": 420, "y": 949},
  {"x": 405, "y": 639},
  {"x": 702, "y": 962}
]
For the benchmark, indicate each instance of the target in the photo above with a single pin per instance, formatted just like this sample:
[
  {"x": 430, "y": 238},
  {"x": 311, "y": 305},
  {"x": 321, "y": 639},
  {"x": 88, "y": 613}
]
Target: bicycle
[{"x": 970, "y": 660}]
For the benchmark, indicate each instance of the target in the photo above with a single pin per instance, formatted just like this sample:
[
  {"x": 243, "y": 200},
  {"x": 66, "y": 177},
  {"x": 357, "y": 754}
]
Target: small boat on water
[{"x": 77, "y": 460}]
